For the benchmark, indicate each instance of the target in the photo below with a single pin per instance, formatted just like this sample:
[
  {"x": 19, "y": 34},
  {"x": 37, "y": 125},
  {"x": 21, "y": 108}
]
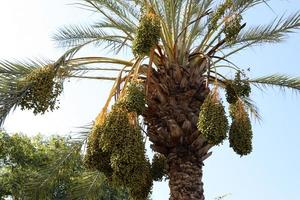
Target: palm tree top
[{"x": 189, "y": 32}]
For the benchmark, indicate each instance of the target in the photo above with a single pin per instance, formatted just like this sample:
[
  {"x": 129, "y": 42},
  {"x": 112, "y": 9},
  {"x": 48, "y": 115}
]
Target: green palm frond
[
  {"x": 197, "y": 27},
  {"x": 12, "y": 73},
  {"x": 128, "y": 8},
  {"x": 93, "y": 185},
  {"x": 252, "y": 108},
  {"x": 244, "y": 5},
  {"x": 80, "y": 135},
  {"x": 192, "y": 25},
  {"x": 277, "y": 80},
  {"x": 114, "y": 13},
  {"x": 87, "y": 186},
  {"x": 78, "y": 35},
  {"x": 98, "y": 60},
  {"x": 18, "y": 68},
  {"x": 126, "y": 11},
  {"x": 276, "y": 31}
]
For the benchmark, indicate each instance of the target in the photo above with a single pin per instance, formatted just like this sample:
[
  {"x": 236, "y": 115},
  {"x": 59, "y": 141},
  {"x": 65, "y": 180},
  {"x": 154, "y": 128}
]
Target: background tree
[
  {"x": 24, "y": 162},
  {"x": 182, "y": 64}
]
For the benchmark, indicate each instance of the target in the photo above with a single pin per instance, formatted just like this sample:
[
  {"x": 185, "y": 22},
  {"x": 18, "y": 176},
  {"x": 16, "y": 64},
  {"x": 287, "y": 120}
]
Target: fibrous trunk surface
[
  {"x": 185, "y": 178},
  {"x": 175, "y": 94}
]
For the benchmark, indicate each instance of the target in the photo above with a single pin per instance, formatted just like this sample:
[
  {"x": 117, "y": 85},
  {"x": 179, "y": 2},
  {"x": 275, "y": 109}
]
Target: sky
[{"x": 271, "y": 172}]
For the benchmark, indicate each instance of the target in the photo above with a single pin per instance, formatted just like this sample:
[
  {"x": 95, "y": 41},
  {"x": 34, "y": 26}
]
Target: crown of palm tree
[{"x": 187, "y": 36}]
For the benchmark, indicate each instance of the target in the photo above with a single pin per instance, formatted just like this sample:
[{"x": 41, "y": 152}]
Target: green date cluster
[
  {"x": 218, "y": 14},
  {"x": 232, "y": 28},
  {"x": 213, "y": 123},
  {"x": 240, "y": 133},
  {"x": 230, "y": 19},
  {"x": 96, "y": 158},
  {"x": 117, "y": 149},
  {"x": 147, "y": 36},
  {"x": 237, "y": 88},
  {"x": 135, "y": 100},
  {"x": 41, "y": 90}
]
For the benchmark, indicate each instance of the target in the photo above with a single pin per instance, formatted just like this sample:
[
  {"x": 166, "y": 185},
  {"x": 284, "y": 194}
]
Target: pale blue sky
[{"x": 271, "y": 172}]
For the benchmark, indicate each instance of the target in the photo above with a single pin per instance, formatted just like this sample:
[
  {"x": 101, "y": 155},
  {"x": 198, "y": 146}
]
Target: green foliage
[
  {"x": 274, "y": 32},
  {"x": 24, "y": 172},
  {"x": 148, "y": 34},
  {"x": 158, "y": 167},
  {"x": 283, "y": 82},
  {"x": 134, "y": 100},
  {"x": 240, "y": 133},
  {"x": 213, "y": 123},
  {"x": 237, "y": 88},
  {"x": 42, "y": 90},
  {"x": 94, "y": 185},
  {"x": 23, "y": 159}
]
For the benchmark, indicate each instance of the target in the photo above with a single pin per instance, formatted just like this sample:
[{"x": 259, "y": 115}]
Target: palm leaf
[
  {"x": 277, "y": 80},
  {"x": 72, "y": 36},
  {"x": 276, "y": 31},
  {"x": 12, "y": 72},
  {"x": 112, "y": 14},
  {"x": 252, "y": 108},
  {"x": 244, "y": 5},
  {"x": 93, "y": 185}
]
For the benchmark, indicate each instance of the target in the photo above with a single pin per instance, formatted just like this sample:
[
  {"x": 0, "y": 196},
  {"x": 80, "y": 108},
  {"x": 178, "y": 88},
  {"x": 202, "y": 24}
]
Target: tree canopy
[{"x": 24, "y": 162}]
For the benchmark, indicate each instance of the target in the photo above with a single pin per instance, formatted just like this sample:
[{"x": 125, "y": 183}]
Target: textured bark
[
  {"x": 185, "y": 178},
  {"x": 175, "y": 94}
]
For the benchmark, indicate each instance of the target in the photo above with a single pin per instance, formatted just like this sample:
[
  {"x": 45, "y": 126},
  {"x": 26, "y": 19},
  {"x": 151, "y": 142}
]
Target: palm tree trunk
[
  {"x": 185, "y": 175},
  {"x": 174, "y": 97}
]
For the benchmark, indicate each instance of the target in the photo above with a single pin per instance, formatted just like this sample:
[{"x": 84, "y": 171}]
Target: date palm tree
[{"x": 167, "y": 92}]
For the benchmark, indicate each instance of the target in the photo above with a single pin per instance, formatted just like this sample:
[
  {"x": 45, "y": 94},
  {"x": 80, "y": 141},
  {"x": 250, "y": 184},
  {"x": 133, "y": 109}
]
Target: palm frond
[
  {"x": 274, "y": 32},
  {"x": 93, "y": 185},
  {"x": 77, "y": 35},
  {"x": 126, "y": 11},
  {"x": 81, "y": 134},
  {"x": 252, "y": 108},
  {"x": 114, "y": 14},
  {"x": 88, "y": 185},
  {"x": 81, "y": 61},
  {"x": 11, "y": 73},
  {"x": 277, "y": 80},
  {"x": 93, "y": 77},
  {"x": 198, "y": 27},
  {"x": 243, "y": 5}
]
